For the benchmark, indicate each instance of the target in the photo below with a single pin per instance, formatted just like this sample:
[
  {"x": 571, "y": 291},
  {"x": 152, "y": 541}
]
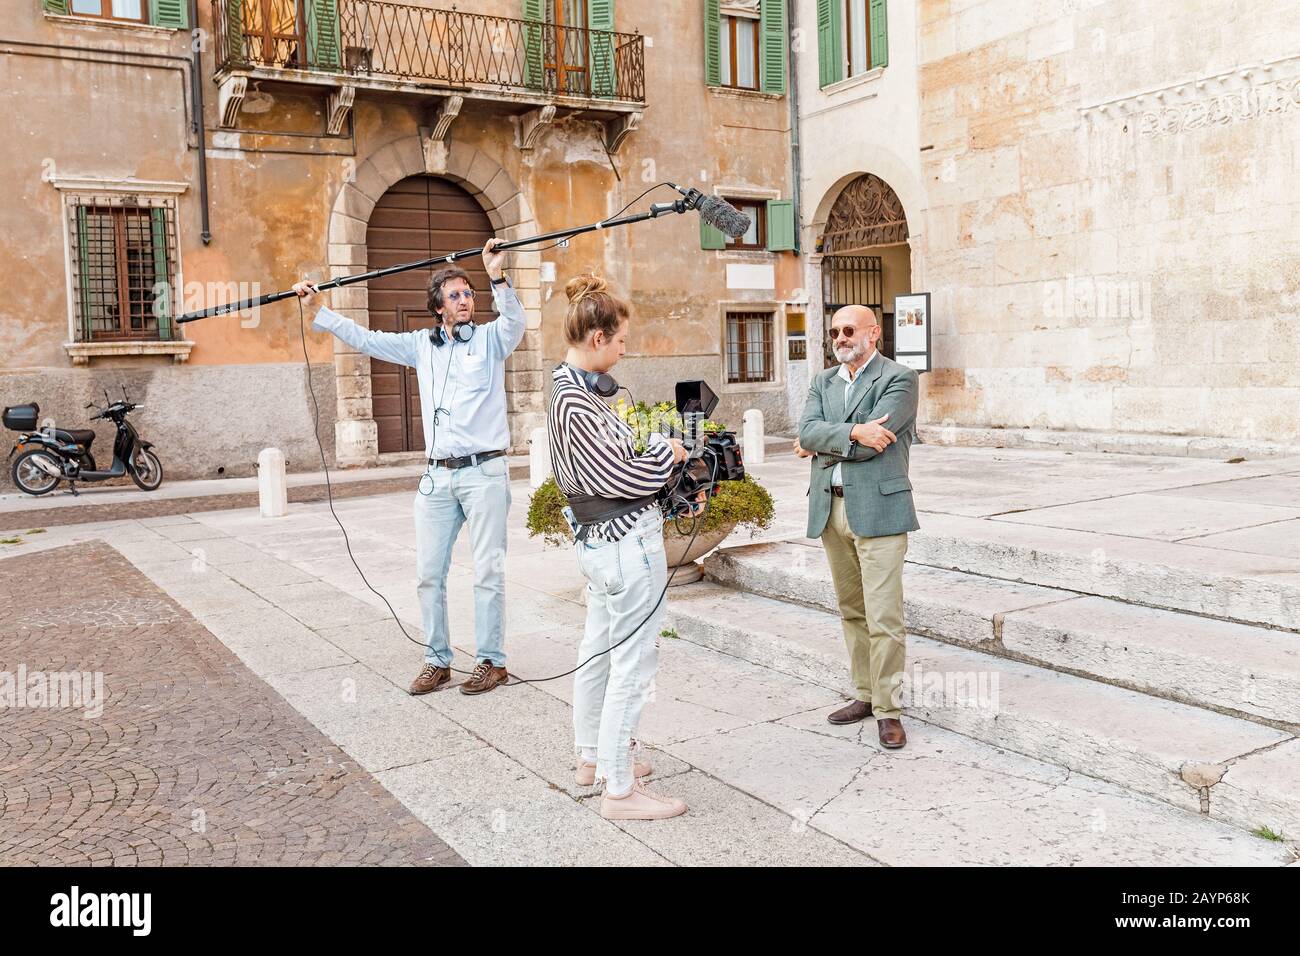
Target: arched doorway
[
  {"x": 419, "y": 217},
  {"x": 866, "y": 258}
]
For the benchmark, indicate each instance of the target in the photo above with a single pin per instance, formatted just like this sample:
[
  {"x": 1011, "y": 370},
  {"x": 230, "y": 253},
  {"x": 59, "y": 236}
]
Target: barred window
[
  {"x": 123, "y": 264},
  {"x": 749, "y": 347}
]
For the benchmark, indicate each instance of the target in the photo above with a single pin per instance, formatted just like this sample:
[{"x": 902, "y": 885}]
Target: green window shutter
[
  {"x": 162, "y": 307},
  {"x": 83, "y": 272},
  {"x": 234, "y": 31},
  {"x": 600, "y": 20},
  {"x": 772, "y": 42},
  {"x": 533, "y": 74},
  {"x": 780, "y": 225},
  {"x": 323, "y": 34},
  {"x": 879, "y": 34},
  {"x": 55, "y": 6},
  {"x": 170, "y": 13},
  {"x": 712, "y": 43},
  {"x": 830, "y": 41},
  {"x": 711, "y": 237}
]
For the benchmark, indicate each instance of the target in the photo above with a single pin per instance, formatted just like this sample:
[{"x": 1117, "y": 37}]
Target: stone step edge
[
  {"x": 1153, "y": 569},
  {"x": 1198, "y": 777},
  {"x": 995, "y": 648}
]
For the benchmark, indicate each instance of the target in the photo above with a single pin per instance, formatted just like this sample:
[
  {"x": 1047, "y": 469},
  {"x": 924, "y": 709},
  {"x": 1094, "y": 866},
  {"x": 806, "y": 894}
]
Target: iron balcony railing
[{"x": 397, "y": 41}]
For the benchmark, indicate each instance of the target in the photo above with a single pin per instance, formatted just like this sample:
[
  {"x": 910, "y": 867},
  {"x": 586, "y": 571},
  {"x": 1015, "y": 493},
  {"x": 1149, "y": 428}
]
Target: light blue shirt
[
  {"x": 849, "y": 395},
  {"x": 467, "y": 379}
]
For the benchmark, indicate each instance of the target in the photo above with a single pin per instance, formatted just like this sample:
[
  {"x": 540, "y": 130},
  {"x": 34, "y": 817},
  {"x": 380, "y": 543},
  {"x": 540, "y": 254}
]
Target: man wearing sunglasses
[
  {"x": 857, "y": 428},
  {"x": 461, "y": 372}
]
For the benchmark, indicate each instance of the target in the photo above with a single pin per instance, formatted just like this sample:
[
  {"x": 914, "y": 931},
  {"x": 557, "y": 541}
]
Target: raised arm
[
  {"x": 396, "y": 347},
  {"x": 507, "y": 331}
]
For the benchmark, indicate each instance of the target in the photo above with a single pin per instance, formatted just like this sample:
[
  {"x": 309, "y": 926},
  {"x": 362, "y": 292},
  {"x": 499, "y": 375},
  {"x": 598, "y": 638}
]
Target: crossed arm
[{"x": 893, "y": 414}]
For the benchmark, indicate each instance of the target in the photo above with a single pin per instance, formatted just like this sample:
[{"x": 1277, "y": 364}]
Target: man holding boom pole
[{"x": 461, "y": 372}]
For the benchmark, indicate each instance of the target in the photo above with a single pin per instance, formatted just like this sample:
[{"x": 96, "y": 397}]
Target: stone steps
[
  {"x": 1237, "y": 669},
  {"x": 1178, "y": 576},
  {"x": 1182, "y": 755}
]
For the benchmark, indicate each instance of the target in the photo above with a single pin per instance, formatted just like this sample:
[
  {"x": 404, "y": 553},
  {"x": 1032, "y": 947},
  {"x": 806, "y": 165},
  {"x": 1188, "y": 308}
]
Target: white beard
[{"x": 851, "y": 355}]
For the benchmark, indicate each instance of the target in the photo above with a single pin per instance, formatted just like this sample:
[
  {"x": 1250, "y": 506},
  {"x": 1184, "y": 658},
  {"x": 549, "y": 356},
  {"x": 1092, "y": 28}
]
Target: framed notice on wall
[{"x": 912, "y": 330}]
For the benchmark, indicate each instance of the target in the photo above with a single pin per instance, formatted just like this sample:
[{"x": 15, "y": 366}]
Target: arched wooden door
[{"x": 417, "y": 218}]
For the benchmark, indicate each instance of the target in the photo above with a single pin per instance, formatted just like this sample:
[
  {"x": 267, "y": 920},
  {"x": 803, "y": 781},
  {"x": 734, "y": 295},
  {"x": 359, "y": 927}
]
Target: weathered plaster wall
[{"x": 1132, "y": 268}]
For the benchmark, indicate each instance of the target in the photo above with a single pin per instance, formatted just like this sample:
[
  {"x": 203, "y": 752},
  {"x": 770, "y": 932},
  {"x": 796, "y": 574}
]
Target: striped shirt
[{"x": 592, "y": 452}]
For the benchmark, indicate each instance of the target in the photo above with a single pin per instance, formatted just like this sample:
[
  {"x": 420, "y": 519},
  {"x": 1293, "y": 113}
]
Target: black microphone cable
[
  {"x": 560, "y": 242},
  {"x": 699, "y": 520},
  {"x": 329, "y": 492},
  {"x": 329, "y": 489}
]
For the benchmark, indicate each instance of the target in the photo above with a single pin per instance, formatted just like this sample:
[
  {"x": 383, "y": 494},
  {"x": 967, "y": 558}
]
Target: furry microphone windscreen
[{"x": 724, "y": 216}]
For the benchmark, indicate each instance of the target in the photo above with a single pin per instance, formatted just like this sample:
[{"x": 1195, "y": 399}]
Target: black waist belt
[
  {"x": 593, "y": 509},
  {"x": 465, "y": 460}
]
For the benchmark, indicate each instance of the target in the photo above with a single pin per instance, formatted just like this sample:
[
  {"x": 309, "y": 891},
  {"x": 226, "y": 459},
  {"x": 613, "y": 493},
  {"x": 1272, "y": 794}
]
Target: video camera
[{"x": 714, "y": 457}]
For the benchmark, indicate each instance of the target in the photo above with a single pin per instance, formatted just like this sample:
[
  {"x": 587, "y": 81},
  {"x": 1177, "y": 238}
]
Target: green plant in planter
[
  {"x": 746, "y": 503},
  {"x": 664, "y": 418}
]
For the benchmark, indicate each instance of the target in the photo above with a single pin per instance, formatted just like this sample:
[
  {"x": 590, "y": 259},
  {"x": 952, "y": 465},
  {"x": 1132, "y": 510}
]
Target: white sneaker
[{"x": 640, "y": 804}]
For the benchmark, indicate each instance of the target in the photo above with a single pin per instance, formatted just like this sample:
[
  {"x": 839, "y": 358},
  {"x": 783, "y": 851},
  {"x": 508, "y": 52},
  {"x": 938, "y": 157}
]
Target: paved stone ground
[
  {"x": 152, "y": 507},
  {"x": 768, "y": 781},
  {"x": 191, "y": 760}
]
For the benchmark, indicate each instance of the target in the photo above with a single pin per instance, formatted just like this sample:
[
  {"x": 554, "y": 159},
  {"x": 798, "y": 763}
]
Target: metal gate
[{"x": 855, "y": 280}]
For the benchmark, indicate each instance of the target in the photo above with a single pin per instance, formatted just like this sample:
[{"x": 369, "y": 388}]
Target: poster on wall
[{"x": 912, "y": 323}]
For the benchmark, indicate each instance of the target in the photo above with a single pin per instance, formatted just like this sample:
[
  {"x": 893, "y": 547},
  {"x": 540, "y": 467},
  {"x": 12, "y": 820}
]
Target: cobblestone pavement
[{"x": 191, "y": 759}]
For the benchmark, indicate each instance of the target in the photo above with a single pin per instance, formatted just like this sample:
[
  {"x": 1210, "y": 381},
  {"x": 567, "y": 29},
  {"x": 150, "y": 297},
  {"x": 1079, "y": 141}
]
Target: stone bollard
[
  {"x": 539, "y": 458},
  {"x": 753, "y": 440},
  {"x": 272, "y": 486}
]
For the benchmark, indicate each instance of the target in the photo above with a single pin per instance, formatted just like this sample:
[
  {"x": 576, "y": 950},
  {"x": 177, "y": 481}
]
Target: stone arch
[
  {"x": 356, "y": 435},
  {"x": 891, "y": 170}
]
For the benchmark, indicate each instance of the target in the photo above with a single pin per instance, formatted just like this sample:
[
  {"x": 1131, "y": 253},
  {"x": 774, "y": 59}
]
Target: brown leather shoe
[
  {"x": 891, "y": 732},
  {"x": 430, "y": 678},
  {"x": 484, "y": 678},
  {"x": 857, "y": 710}
]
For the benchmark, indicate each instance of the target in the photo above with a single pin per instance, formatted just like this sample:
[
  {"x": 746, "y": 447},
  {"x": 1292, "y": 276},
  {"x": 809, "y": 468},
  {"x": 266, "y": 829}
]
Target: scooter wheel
[
  {"x": 29, "y": 477},
  {"x": 145, "y": 470}
]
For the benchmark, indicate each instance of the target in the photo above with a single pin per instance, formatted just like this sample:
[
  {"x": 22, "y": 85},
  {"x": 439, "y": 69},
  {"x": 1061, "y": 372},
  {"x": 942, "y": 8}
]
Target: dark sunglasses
[{"x": 847, "y": 332}]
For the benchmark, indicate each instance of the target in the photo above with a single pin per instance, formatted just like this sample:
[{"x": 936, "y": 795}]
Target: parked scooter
[{"x": 50, "y": 455}]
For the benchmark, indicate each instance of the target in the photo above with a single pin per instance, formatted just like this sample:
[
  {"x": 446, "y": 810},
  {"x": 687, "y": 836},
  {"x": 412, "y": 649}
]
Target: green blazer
[{"x": 877, "y": 491}]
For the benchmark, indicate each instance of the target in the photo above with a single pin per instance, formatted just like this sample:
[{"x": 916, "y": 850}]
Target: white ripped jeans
[{"x": 624, "y": 581}]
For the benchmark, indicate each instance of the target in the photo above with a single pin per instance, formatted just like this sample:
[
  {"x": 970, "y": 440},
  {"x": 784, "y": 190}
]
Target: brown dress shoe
[
  {"x": 858, "y": 710},
  {"x": 891, "y": 732},
  {"x": 484, "y": 678},
  {"x": 430, "y": 678}
]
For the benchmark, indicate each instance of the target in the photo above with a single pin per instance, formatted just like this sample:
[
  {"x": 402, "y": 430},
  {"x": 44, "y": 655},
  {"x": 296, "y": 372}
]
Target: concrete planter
[{"x": 679, "y": 557}]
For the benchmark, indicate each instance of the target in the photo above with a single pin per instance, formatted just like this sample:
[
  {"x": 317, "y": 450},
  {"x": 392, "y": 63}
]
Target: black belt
[
  {"x": 593, "y": 509},
  {"x": 465, "y": 459}
]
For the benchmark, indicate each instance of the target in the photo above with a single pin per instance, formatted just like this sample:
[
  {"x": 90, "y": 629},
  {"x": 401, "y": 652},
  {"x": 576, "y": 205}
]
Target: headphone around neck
[
  {"x": 461, "y": 332},
  {"x": 599, "y": 383}
]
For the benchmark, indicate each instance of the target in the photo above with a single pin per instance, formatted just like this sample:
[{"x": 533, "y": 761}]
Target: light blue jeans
[
  {"x": 479, "y": 494},
  {"x": 624, "y": 581}
]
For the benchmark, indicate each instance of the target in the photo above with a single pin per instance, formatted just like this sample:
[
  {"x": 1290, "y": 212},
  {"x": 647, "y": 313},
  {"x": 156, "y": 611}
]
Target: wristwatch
[{"x": 502, "y": 281}]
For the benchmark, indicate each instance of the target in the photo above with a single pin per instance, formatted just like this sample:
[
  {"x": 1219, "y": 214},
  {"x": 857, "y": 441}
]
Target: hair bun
[{"x": 579, "y": 287}]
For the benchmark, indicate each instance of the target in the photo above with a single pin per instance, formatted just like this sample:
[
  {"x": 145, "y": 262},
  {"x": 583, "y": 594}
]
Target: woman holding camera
[{"x": 622, "y": 557}]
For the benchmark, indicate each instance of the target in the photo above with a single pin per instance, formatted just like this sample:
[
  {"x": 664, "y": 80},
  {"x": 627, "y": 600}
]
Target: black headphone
[
  {"x": 600, "y": 383},
  {"x": 461, "y": 332}
]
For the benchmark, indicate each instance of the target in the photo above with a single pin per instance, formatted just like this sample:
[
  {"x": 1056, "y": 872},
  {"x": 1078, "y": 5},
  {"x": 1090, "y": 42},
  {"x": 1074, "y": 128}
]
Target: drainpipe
[
  {"x": 196, "y": 123},
  {"x": 795, "y": 165}
]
